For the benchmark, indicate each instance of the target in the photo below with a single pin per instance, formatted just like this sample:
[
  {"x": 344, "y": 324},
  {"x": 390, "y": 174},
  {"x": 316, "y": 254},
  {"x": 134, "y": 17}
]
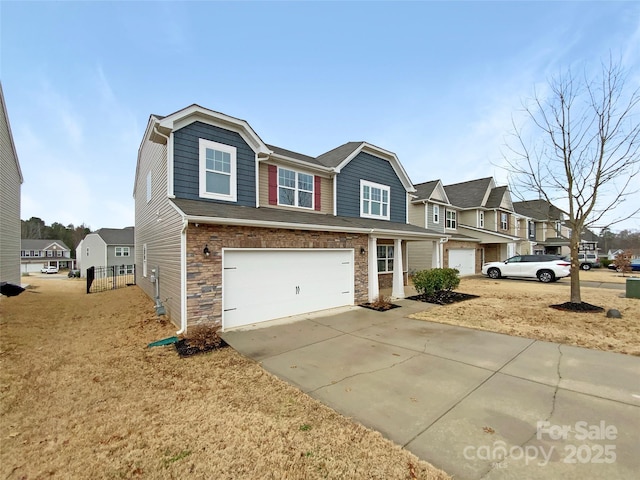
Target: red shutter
[
  {"x": 316, "y": 191},
  {"x": 273, "y": 185}
]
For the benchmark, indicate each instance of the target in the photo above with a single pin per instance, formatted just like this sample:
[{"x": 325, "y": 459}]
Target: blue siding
[
  {"x": 186, "y": 166},
  {"x": 368, "y": 167}
]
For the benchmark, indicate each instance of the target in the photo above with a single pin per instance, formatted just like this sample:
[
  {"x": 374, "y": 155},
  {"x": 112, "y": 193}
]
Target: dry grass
[
  {"x": 81, "y": 396},
  {"x": 521, "y": 307}
]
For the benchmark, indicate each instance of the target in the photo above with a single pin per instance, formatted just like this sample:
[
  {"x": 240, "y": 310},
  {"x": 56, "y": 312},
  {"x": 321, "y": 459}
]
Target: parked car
[
  {"x": 546, "y": 268},
  {"x": 588, "y": 260},
  {"x": 635, "y": 265},
  {"x": 49, "y": 269}
]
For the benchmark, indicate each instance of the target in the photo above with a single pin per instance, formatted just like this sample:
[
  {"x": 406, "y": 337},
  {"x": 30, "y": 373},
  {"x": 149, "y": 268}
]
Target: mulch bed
[
  {"x": 443, "y": 298},
  {"x": 185, "y": 350},
  {"x": 582, "y": 307},
  {"x": 383, "y": 308}
]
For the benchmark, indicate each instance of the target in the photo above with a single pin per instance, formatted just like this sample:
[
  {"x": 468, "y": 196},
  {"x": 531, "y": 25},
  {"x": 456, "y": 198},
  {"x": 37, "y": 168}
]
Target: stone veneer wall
[
  {"x": 461, "y": 244},
  {"x": 204, "y": 274}
]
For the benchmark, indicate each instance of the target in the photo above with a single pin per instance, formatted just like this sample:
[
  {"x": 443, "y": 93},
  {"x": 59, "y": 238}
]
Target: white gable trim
[
  {"x": 196, "y": 113},
  {"x": 384, "y": 154}
]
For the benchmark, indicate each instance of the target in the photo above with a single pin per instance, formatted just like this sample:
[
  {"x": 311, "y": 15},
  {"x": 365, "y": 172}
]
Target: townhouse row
[{"x": 232, "y": 231}]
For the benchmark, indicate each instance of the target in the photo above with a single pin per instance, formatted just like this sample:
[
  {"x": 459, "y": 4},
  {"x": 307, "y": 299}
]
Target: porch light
[
  {"x": 206, "y": 251},
  {"x": 362, "y": 250}
]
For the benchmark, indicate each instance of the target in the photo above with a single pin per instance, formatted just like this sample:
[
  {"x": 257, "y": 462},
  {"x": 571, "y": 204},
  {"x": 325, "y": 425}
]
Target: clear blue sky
[{"x": 435, "y": 82}]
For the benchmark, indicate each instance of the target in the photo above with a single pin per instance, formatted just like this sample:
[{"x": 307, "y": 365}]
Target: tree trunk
[{"x": 574, "y": 243}]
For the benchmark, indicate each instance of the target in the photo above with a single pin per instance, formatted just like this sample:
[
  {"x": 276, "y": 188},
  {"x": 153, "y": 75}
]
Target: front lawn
[
  {"x": 81, "y": 396},
  {"x": 521, "y": 307}
]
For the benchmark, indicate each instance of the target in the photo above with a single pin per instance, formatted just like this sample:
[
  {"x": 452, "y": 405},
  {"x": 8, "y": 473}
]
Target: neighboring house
[
  {"x": 37, "y": 254},
  {"x": 231, "y": 231},
  {"x": 589, "y": 242},
  {"x": 477, "y": 218},
  {"x": 10, "y": 182},
  {"x": 430, "y": 208},
  {"x": 545, "y": 230},
  {"x": 611, "y": 254},
  {"x": 105, "y": 248}
]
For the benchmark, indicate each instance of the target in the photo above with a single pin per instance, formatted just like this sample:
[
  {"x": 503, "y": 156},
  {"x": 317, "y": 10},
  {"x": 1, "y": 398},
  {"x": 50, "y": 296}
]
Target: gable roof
[
  {"x": 40, "y": 244},
  {"x": 538, "y": 210},
  {"x": 424, "y": 190},
  {"x": 117, "y": 236},
  {"x": 336, "y": 156},
  {"x": 283, "y": 152},
  {"x": 468, "y": 194},
  {"x": 495, "y": 197},
  {"x": 230, "y": 214}
]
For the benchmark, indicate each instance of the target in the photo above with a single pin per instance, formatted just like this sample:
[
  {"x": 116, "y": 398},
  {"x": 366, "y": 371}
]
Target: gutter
[{"x": 306, "y": 226}]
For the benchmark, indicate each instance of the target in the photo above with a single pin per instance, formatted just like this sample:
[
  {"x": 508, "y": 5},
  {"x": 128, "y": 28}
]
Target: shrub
[
  {"x": 429, "y": 282},
  {"x": 605, "y": 262},
  {"x": 382, "y": 303},
  {"x": 204, "y": 337}
]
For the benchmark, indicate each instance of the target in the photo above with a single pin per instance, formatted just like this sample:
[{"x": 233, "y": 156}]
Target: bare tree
[{"x": 581, "y": 151}]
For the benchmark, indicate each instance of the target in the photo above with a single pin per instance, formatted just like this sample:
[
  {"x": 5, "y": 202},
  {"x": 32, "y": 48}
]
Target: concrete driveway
[{"x": 476, "y": 404}]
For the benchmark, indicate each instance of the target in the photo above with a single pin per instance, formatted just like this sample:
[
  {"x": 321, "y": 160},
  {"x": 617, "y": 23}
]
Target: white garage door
[
  {"x": 464, "y": 259},
  {"x": 261, "y": 285}
]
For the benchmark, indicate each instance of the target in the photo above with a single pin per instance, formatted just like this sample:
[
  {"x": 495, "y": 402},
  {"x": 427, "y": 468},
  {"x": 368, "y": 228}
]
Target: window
[
  {"x": 49, "y": 253},
  {"x": 436, "y": 214},
  {"x": 532, "y": 229},
  {"x": 59, "y": 253},
  {"x": 481, "y": 219},
  {"x": 504, "y": 221},
  {"x": 217, "y": 171},
  {"x": 125, "y": 269},
  {"x": 295, "y": 188},
  {"x": 149, "y": 187},
  {"x": 374, "y": 200},
  {"x": 451, "y": 219},
  {"x": 385, "y": 258},
  {"x": 122, "y": 251}
]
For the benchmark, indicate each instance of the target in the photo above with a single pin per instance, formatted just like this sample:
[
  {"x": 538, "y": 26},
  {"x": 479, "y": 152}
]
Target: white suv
[
  {"x": 588, "y": 260},
  {"x": 546, "y": 268},
  {"x": 49, "y": 269}
]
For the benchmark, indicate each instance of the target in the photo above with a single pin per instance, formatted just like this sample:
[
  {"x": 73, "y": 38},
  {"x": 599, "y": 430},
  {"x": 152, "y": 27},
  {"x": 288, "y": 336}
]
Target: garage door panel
[
  {"x": 463, "y": 259},
  {"x": 260, "y": 285}
]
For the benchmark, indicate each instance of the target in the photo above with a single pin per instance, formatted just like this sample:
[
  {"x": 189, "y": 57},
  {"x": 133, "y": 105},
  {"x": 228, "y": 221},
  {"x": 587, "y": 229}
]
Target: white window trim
[
  {"x": 447, "y": 220},
  {"x": 124, "y": 251},
  {"x": 504, "y": 224},
  {"x": 436, "y": 214},
  {"x": 295, "y": 189},
  {"x": 386, "y": 188},
  {"x": 386, "y": 258},
  {"x": 233, "y": 187}
]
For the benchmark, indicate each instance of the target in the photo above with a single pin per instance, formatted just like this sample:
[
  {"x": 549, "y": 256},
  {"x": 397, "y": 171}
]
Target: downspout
[{"x": 183, "y": 278}]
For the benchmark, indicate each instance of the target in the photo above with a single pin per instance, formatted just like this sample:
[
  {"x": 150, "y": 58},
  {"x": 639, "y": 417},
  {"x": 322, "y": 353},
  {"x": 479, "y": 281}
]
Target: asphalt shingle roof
[
  {"x": 39, "y": 244},
  {"x": 274, "y": 216},
  {"x": 292, "y": 154},
  {"x": 468, "y": 194},
  {"x": 424, "y": 190},
  {"x": 335, "y": 157},
  {"x": 538, "y": 209},
  {"x": 117, "y": 236},
  {"x": 495, "y": 197}
]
